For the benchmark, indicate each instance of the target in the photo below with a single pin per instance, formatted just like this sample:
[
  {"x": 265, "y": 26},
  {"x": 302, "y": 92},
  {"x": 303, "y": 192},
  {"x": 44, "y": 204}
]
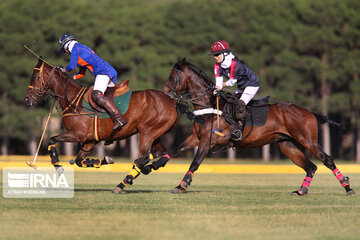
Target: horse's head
[
  {"x": 176, "y": 81},
  {"x": 39, "y": 83},
  {"x": 186, "y": 77}
]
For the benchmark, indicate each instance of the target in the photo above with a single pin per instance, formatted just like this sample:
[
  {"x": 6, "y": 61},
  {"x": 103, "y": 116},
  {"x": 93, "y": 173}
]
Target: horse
[
  {"x": 151, "y": 113},
  {"x": 295, "y": 129}
]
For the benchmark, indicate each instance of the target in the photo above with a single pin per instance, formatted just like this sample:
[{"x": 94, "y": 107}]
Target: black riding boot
[
  {"x": 240, "y": 110},
  {"x": 115, "y": 114}
]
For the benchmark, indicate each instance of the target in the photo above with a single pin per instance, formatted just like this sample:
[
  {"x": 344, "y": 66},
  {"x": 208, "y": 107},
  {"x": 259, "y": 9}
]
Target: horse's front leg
[
  {"x": 189, "y": 143},
  {"x": 63, "y": 137},
  {"x": 198, "y": 159}
]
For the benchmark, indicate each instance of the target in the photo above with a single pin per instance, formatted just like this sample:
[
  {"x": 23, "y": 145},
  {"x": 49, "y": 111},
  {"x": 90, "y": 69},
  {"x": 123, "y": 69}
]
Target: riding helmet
[
  {"x": 65, "y": 39},
  {"x": 219, "y": 47}
]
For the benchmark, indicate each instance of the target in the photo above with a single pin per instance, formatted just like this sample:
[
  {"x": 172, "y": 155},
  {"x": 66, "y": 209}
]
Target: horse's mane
[
  {"x": 195, "y": 69},
  {"x": 63, "y": 75}
]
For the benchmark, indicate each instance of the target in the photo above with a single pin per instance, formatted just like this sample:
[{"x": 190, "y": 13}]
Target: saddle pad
[
  {"x": 256, "y": 116},
  {"x": 121, "y": 102}
]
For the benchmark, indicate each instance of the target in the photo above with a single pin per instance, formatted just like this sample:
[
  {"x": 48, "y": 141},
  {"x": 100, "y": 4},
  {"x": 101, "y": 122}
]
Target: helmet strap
[{"x": 223, "y": 56}]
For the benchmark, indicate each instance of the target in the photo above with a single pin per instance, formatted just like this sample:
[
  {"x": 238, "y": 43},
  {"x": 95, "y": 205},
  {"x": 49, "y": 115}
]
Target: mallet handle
[
  {"x": 217, "y": 111},
  {"x": 42, "y": 136}
]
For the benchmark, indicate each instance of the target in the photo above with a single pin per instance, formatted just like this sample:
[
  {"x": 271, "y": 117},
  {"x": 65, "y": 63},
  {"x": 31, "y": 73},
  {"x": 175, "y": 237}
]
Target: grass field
[{"x": 217, "y": 206}]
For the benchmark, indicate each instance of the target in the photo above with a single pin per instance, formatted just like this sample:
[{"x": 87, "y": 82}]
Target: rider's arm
[
  {"x": 230, "y": 83},
  {"x": 73, "y": 59},
  {"x": 80, "y": 74},
  {"x": 218, "y": 78}
]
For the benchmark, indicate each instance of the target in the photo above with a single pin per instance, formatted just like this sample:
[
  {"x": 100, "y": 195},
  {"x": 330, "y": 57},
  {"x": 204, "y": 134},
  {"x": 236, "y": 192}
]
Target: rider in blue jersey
[{"x": 105, "y": 75}]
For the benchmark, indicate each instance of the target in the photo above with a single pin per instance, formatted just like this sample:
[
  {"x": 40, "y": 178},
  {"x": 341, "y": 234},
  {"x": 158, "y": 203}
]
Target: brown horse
[
  {"x": 151, "y": 113},
  {"x": 294, "y": 128}
]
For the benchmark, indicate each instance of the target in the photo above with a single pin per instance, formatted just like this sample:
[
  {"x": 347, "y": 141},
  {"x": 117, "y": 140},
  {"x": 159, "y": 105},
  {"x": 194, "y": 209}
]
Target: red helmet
[{"x": 219, "y": 47}]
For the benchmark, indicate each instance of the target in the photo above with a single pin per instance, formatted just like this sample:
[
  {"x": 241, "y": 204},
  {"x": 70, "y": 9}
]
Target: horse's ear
[
  {"x": 182, "y": 62},
  {"x": 40, "y": 61}
]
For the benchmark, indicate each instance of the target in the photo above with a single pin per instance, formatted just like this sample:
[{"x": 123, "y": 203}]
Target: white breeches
[
  {"x": 248, "y": 94},
  {"x": 102, "y": 82}
]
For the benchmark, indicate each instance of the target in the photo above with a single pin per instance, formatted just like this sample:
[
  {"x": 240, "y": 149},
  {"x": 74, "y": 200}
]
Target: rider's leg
[
  {"x": 246, "y": 96},
  {"x": 100, "y": 86},
  {"x": 240, "y": 111}
]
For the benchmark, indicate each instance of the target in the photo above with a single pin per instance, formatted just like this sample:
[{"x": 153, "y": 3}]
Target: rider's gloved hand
[{"x": 61, "y": 68}]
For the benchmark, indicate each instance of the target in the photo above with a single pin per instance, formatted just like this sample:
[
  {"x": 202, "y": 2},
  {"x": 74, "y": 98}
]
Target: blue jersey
[{"x": 85, "y": 58}]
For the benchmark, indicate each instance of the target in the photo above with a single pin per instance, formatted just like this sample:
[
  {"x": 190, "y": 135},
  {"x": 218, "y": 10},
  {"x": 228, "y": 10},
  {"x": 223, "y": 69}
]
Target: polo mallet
[
  {"x": 39, "y": 57},
  {"x": 218, "y": 120},
  {"x": 41, "y": 139}
]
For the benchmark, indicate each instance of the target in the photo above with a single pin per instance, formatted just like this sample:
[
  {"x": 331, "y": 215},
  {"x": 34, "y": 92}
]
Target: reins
[
  {"x": 41, "y": 91},
  {"x": 186, "y": 97}
]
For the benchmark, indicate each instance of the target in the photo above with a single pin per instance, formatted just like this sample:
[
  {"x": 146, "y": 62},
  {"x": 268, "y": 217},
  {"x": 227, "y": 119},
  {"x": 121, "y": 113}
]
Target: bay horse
[
  {"x": 295, "y": 129},
  {"x": 151, "y": 113}
]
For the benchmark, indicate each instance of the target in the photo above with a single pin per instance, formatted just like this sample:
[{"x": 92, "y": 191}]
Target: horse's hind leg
[
  {"x": 296, "y": 153},
  {"x": 329, "y": 163},
  {"x": 84, "y": 152},
  {"x": 140, "y": 164}
]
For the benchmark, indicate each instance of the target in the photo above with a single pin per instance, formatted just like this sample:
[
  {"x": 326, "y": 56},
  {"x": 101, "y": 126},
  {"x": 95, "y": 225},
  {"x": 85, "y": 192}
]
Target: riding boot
[
  {"x": 240, "y": 110},
  {"x": 115, "y": 114}
]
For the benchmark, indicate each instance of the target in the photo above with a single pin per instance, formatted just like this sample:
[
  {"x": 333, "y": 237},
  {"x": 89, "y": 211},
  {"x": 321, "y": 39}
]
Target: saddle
[
  {"x": 256, "y": 110},
  {"x": 110, "y": 94}
]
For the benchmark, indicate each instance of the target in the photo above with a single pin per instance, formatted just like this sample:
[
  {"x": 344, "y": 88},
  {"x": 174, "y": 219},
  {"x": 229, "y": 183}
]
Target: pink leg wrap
[
  {"x": 338, "y": 174},
  {"x": 166, "y": 155},
  {"x": 307, "y": 181}
]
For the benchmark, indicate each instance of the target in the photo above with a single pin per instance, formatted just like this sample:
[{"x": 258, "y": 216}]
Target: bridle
[
  {"x": 40, "y": 92},
  {"x": 185, "y": 97}
]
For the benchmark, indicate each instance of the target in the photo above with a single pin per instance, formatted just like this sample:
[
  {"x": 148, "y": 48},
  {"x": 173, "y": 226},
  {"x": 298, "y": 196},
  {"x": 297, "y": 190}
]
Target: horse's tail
[{"x": 323, "y": 119}]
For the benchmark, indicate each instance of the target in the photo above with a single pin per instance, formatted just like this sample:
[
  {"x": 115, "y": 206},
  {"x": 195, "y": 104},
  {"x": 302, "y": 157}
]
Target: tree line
[{"x": 304, "y": 52}]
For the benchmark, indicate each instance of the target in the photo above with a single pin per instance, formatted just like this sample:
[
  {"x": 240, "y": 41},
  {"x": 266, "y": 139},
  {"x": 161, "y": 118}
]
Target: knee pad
[{"x": 98, "y": 97}]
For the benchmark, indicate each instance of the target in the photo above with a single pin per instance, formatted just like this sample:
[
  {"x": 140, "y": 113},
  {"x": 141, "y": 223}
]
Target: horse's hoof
[
  {"x": 59, "y": 169},
  {"x": 351, "y": 192},
  {"x": 303, "y": 190},
  {"x": 108, "y": 160},
  {"x": 117, "y": 190},
  {"x": 178, "y": 190},
  {"x": 297, "y": 193}
]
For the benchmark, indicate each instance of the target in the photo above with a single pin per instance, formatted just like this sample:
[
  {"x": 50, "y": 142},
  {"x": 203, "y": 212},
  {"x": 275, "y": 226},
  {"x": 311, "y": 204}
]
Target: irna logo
[
  {"x": 42, "y": 183},
  {"x": 16, "y": 180}
]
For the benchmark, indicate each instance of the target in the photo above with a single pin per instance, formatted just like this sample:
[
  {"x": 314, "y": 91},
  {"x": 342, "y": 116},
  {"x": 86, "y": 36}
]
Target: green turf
[{"x": 217, "y": 206}]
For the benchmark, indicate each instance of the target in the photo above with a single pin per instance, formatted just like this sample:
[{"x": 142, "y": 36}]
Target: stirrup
[
  {"x": 236, "y": 135},
  {"x": 118, "y": 124}
]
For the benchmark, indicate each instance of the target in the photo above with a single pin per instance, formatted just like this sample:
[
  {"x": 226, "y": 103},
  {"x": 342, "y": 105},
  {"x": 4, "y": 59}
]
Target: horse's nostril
[{"x": 27, "y": 101}]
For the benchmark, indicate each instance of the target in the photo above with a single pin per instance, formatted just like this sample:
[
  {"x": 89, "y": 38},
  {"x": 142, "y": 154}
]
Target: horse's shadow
[{"x": 129, "y": 191}]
